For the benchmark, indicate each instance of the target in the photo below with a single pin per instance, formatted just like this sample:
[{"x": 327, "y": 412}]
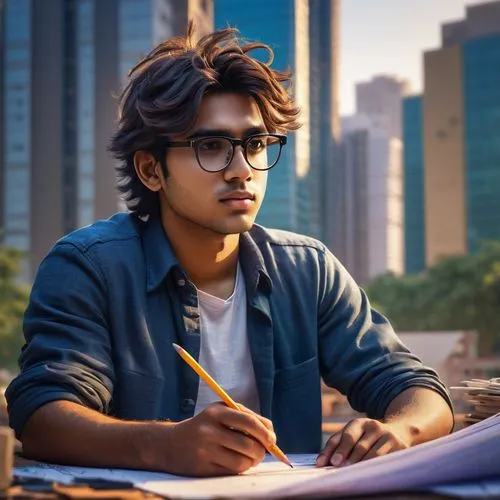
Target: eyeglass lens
[{"x": 215, "y": 153}]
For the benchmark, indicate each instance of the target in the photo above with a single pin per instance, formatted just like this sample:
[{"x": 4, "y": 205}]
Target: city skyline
[
  {"x": 94, "y": 44},
  {"x": 381, "y": 49},
  {"x": 59, "y": 80},
  {"x": 304, "y": 37},
  {"x": 453, "y": 148}
]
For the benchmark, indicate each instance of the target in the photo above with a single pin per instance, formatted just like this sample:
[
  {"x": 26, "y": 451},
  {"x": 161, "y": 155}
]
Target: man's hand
[
  {"x": 362, "y": 439},
  {"x": 414, "y": 416},
  {"x": 217, "y": 441}
]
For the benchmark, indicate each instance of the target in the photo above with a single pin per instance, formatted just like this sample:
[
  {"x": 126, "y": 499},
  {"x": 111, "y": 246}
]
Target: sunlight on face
[{"x": 224, "y": 202}]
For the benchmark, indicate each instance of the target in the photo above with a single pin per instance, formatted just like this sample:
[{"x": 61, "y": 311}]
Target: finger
[
  {"x": 325, "y": 456},
  {"x": 362, "y": 447},
  {"x": 350, "y": 435},
  {"x": 249, "y": 424},
  {"x": 384, "y": 446},
  {"x": 219, "y": 470},
  {"x": 267, "y": 423},
  {"x": 226, "y": 415},
  {"x": 243, "y": 444},
  {"x": 231, "y": 460},
  {"x": 215, "y": 470}
]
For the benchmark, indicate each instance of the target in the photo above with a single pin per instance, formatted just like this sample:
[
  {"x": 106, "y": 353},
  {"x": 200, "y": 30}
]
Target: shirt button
[
  {"x": 187, "y": 404},
  {"x": 181, "y": 282}
]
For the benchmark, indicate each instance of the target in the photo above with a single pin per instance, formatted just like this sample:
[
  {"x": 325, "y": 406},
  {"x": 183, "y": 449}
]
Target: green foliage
[
  {"x": 13, "y": 301},
  {"x": 458, "y": 293}
]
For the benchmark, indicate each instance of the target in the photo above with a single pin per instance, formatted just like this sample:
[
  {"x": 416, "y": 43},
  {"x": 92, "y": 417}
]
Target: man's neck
[{"x": 210, "y": 259}]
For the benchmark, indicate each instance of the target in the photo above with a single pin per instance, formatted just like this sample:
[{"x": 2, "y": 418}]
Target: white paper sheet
[
  {"x": 470, "y": 454},
  {"x": 256, "y": 482},
  {"x": 260, "y": 479}
]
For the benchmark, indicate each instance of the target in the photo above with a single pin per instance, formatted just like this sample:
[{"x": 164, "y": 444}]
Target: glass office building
[
  {"x": 413, "y": 164},
  {"x": 16, "y": 113},
  {"x": 276, "y": 29},
  {"x": 301, "y": 34},
  {"x": 85, "y": 75},
  {"x": 481, "y": 84},
  {"x": 461, "y": 116},
  {"x": 64, "y": 62}
]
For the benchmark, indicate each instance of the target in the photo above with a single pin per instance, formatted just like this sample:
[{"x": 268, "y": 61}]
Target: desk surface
[
  {"x": 66, "y": 492},
  {"x": 17, "y": 493},
  {"x": 82, "y": 492}
]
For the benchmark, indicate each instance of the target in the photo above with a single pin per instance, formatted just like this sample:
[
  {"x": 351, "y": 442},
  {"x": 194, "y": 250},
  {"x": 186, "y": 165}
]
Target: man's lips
[
  {"x": 240, "y": 200},
  {"x": 239, "y": 195}
]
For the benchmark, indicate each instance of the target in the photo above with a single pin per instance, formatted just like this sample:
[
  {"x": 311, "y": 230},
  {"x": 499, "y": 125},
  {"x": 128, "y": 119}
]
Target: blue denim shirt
[{"x": 109, "y": 300}]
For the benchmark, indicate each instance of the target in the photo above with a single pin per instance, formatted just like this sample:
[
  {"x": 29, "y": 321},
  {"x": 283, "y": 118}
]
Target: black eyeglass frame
[{"x": 193, "y": 143}]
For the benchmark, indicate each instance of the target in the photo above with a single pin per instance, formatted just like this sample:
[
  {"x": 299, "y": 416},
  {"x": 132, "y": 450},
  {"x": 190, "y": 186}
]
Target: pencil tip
[{"x": 290, "y": 465}]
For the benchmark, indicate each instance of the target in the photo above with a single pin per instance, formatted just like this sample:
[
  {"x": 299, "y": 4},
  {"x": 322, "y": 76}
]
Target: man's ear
[{"x": 148, "y": 170}]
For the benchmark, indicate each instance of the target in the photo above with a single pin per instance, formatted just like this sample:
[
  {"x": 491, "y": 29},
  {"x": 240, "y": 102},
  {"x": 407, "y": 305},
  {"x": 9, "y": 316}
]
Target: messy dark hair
[{"x": 165, "y": 91}]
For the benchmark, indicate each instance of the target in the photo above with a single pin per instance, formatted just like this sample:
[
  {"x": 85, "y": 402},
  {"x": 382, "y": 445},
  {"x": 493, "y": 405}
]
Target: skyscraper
[
  {"x": 413, "y": 166},
  {"x": 461, "y": 110},
  {"x": 303, "y": 34},
  {"x": 369, "y": 235},
  {"x": 380, "y": 99},
  {"x": 324, "y": 22},
  {"x": 370, "y": 206},
  {"x": 65, "y": 60}
]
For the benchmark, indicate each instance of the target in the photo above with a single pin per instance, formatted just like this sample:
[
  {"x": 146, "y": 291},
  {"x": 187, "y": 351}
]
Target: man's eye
[
  {"x": 211, "y": 144},
  {"x": 255, "y": 145}
]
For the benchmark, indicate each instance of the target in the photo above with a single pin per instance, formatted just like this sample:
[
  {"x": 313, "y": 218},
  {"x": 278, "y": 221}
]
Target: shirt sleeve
[
  {"x": 360, "y": 354},
  {"x": 67, "y": 351}
]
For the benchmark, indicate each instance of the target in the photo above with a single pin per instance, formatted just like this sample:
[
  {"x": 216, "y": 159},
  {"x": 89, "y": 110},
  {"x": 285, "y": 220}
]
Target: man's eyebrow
[{"x": 208, "y": 132}]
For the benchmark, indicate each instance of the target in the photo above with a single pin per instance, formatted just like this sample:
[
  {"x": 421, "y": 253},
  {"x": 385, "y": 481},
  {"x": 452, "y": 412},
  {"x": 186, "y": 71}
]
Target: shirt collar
[
  {"x": 253, "y": 265},
  {"x": 160, "y": 258}
]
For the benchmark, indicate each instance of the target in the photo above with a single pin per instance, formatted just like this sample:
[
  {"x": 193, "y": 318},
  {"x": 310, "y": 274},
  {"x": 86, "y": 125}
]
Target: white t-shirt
[{"x": 224, "y": 350}]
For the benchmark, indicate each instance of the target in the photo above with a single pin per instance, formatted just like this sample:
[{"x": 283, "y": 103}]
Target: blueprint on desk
[{"x": 456, "y": 465}]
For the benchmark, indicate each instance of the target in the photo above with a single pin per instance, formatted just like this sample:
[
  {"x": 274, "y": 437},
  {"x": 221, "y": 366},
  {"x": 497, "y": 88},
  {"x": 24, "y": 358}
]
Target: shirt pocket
[
  {"x": 137, "y": 396},
  {"x": 296, "y": 412},
  {"x": 292, "y": 376}
]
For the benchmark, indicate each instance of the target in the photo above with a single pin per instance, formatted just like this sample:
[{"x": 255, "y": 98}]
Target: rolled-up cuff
[{"x": 26, "y": 404}]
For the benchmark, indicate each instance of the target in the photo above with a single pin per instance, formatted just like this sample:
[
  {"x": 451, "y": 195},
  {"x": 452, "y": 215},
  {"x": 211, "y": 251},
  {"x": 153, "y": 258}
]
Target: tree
[
  {"x": 458, "y": 293},
  {"x": 13, "y": 301}
]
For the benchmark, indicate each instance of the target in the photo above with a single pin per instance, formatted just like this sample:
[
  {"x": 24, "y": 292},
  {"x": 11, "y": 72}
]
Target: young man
[{"x": 268, "y": 313}]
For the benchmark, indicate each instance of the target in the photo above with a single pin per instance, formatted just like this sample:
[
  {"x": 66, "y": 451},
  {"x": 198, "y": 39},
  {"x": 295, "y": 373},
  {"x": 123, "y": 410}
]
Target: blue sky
[{"x": 389, "y": 36}]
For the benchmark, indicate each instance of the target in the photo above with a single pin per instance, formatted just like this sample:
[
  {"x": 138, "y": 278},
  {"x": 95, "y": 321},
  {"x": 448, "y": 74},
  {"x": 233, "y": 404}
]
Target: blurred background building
[
  {"x": 413, "y": 162},
  {"x": 380, "y": 99},
  {"x": 369, "y": 234},
  {"x": 59, "y": 77},
  {"x": 64, "y": 62},
  {"x": 452, "y": 142},
  {"x": 304, "y": 36}
]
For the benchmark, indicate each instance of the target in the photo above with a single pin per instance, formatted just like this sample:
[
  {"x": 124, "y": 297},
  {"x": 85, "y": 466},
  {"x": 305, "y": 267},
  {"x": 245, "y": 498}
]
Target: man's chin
[{"x": 236, "y": 225}]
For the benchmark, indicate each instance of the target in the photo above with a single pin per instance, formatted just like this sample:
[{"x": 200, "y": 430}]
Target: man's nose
[{"x": 239, "y": 167}]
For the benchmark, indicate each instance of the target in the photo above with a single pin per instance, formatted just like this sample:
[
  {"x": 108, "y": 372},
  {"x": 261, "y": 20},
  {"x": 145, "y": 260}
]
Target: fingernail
[
  {"x": 320, "y": 461},
  {"x": 337, "y": 459}
]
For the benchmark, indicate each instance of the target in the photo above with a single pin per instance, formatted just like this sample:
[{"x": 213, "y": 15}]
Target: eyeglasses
[{"x": 215, "y": 153}]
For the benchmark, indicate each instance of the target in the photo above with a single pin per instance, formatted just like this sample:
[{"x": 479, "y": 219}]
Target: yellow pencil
[{"x": 273, "y": 449}]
